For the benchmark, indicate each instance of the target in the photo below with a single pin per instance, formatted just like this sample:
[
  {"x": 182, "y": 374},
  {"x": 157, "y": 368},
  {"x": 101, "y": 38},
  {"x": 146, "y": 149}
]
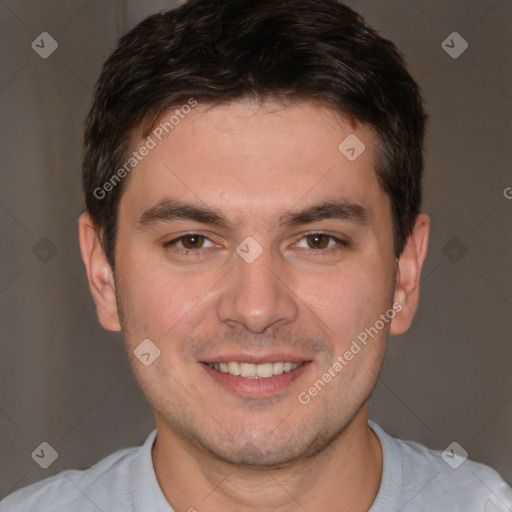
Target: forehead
[{"x": 254, "y": 160}]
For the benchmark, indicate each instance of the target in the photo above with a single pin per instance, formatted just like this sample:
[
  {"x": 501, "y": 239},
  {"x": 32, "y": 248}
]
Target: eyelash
[{"x": 197, "y": 252}]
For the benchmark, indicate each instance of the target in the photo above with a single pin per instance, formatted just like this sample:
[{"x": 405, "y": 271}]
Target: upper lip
[{"x": 256, "y": 359}]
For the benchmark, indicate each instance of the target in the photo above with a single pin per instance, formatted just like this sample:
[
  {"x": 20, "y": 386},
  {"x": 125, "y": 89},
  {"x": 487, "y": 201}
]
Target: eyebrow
[{"x": 168, "y": 210}]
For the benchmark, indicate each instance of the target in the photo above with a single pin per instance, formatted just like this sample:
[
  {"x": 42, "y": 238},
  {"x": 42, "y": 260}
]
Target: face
[{"x": 248, "y": 243}]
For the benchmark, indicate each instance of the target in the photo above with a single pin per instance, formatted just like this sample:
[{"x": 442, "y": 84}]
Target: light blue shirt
[{"x": 414, "y": 479}]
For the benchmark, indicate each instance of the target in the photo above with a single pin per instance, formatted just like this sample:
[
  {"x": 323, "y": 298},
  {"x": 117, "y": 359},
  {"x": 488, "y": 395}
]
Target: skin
[{"x": 215, "y": 449}]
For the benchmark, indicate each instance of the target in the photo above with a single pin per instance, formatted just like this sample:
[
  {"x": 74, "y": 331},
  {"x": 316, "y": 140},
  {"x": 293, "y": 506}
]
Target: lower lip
[{"x": 256, "y": 387}]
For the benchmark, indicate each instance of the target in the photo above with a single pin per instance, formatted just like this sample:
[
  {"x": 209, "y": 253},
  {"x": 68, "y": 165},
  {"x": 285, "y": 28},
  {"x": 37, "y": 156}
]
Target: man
[{"x": 252, "y": 173}]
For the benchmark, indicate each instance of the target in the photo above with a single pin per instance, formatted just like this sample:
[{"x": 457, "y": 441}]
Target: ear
[
  {"x": 99, "y": 273},
  {"x": 410, "y": 263}
]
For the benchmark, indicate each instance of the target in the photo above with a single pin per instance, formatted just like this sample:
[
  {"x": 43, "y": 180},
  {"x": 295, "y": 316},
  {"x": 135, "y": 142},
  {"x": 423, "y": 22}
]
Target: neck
[{"x": 344, "y": 476}]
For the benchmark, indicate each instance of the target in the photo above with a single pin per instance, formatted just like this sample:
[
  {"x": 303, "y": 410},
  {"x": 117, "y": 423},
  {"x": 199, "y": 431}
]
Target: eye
[
  {"x": 190, "y": 242},
  {"x": 320, "y": 241}
]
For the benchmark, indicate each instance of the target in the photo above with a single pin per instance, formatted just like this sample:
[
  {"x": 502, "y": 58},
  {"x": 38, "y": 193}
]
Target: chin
[{"x": 262, "y": 451}]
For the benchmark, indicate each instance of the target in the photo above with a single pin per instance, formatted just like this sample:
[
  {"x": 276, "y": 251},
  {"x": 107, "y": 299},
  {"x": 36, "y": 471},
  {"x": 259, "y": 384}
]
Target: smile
[{"x": 255, "y": 371}]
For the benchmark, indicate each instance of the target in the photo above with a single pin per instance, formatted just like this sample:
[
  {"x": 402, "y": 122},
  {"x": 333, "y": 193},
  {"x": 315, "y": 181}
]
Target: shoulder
[
  {"x": 447, "y": 481},
  {"x": 96, "y": 488}
]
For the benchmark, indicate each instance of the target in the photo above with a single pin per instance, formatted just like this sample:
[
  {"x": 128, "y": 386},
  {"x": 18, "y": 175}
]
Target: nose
[{"x": 255, "y": 295}]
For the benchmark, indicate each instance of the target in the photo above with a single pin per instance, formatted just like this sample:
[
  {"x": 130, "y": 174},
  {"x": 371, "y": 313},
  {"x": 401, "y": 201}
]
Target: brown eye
[
  {"x": 190, "y": 244},
  {"x": 321, "y": 243},
  {"x": 318, "y": 240},
  {"x": 192, "y": 241}
]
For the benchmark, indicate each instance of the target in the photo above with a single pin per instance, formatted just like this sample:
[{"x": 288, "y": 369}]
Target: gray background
[{"x": 67, "y": 382}]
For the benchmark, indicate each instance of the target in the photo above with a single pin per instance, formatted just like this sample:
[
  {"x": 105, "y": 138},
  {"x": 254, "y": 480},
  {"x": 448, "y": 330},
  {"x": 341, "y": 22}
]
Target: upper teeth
[{"x": 254, "y": 371}]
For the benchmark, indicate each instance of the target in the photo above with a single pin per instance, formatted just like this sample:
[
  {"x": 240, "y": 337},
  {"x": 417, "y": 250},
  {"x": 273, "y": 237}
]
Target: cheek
[
  {"x": 157, "y": 302},
  {"x": 348, "y": 300}
]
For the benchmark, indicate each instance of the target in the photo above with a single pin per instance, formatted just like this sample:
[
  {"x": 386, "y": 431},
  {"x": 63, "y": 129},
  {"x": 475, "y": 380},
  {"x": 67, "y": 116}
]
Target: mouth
[
  {"x": 257, "y": 379},
  {"x": 255, "y": 371}
]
